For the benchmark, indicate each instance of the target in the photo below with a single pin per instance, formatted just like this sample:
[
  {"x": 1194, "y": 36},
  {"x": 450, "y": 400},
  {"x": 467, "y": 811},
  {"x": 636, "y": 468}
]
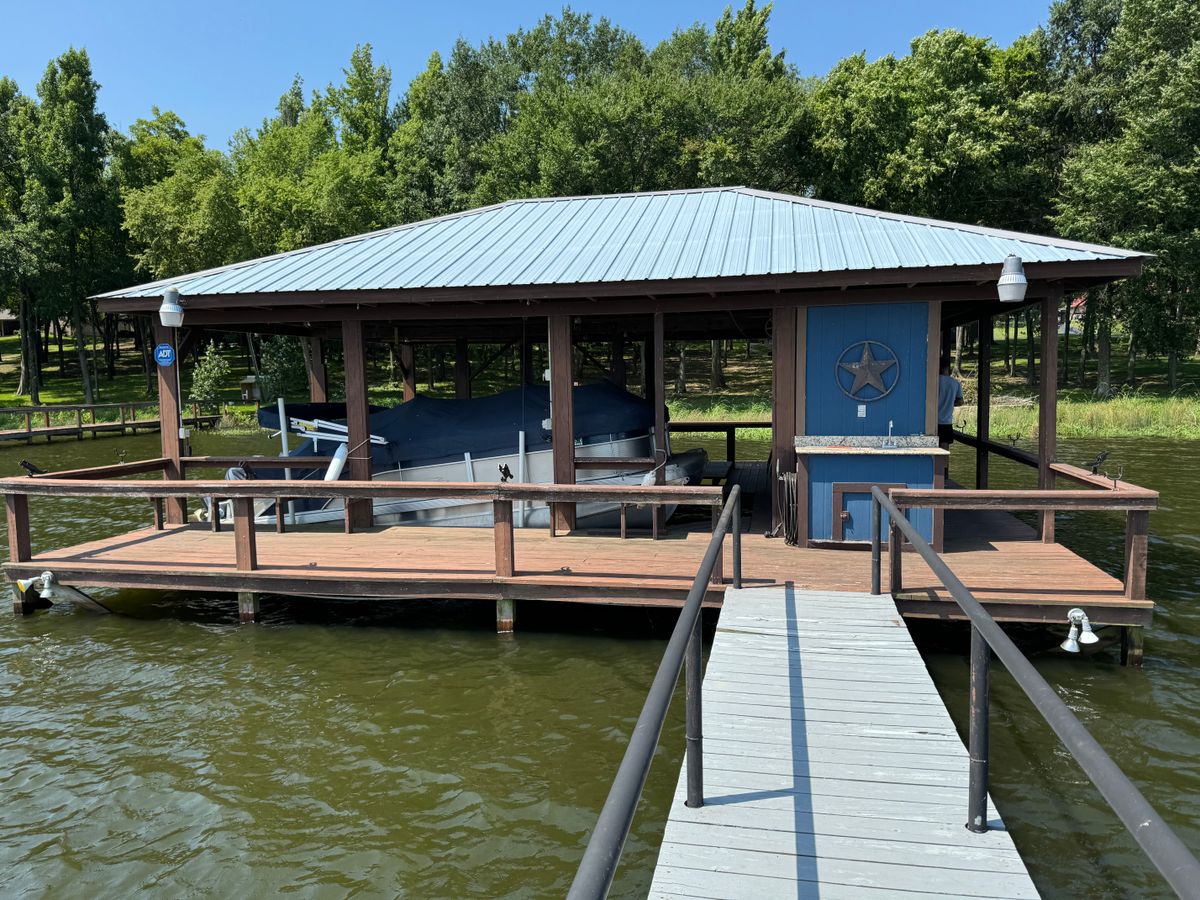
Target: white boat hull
[{"x": 538, "y": 468}]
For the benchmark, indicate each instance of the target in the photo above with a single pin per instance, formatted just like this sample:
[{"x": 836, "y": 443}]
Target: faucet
[{"x": 889, "y": 442}]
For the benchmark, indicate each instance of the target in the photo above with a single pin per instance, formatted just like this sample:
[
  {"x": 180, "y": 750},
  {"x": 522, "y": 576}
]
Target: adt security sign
[{"x": 164, "y": 355}]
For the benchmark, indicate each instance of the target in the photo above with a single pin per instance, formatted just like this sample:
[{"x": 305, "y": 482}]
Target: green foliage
[
  {"x": 210, "y": 376},
  {"x": 281, "y": 369}
]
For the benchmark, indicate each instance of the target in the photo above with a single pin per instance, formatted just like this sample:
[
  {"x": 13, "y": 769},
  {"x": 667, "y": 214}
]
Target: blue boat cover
[{"x": 428, "y": 430}]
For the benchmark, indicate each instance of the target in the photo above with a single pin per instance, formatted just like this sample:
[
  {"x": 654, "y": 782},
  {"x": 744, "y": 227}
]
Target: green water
[{"x": 364, "y": 749}]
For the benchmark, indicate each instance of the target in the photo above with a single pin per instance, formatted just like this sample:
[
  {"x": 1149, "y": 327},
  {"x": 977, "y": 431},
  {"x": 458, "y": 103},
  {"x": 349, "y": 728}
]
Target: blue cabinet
[{"x": 837, "y": 484}]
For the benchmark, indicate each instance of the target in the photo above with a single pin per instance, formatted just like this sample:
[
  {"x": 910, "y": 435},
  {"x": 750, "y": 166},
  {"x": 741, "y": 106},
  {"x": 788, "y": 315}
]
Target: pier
[
  {"x": 79, "y": 419},
  {"x": 831, "y": 766}
]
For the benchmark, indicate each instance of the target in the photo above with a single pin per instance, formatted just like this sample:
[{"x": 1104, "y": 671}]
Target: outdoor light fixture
[
  {"x": 1080, "y": 632},
  {"x": 1012, "y": 283},
  {"x": 170, "y": 313}
]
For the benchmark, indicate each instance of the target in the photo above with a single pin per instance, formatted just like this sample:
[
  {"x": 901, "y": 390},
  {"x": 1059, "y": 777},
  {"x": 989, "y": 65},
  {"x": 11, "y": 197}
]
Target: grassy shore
[{"x": 1148, "y": 411}]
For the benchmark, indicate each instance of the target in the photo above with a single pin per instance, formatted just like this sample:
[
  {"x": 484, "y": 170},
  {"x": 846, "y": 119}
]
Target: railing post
[
  {"x": 977, "y": 816},
  {"x": 730, "y": 444},
  {"x": 718, "y": 572},
  {"x": 16, "y": 507},
  {"x": 895, "y": 556},
  {"x": 156, "y": 513},
  {"x": 502, "y": 517},
  {"x": 876, "y": 550},
  {"x": 1137, "y": 533},
  {"x": 694, "y": 725},
  {"x": 737, "y": 537},
  {"x": 243, "y": 534}
]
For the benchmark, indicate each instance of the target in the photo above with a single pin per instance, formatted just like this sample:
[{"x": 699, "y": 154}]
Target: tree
[{"x": 210, "y": 376}]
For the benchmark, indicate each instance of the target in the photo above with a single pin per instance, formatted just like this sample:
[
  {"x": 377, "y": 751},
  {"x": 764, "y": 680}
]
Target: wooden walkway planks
[{"x": 831, "y": 766}]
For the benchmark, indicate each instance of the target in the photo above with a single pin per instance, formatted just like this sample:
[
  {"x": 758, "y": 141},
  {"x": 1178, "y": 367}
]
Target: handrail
[
  {"x": 1163, "y": 847},
  {"x": 1013, "y": 453},
  {"x": 1012, "y": 500},
  {"x": 729, "y": 428},
  {"x": 71, "y": 407},
  {"x": 603, "y": 853},
  {"x": 270, "y": 488}
]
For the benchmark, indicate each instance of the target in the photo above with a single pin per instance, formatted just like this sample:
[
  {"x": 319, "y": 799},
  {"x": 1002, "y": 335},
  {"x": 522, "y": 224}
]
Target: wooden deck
[
  {"x": 1016, "y": 577},
  {"x": 831, "y": 766}
]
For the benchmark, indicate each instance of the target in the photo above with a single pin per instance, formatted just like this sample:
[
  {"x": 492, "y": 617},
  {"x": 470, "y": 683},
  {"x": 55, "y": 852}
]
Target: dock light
[
  {"x": 1080, "y": 631},
  {"x": 1012, "y": 283},
  {"x": 170, "y": 313}
]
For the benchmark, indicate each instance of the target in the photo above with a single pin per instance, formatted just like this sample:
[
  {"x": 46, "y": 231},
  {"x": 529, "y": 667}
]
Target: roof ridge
[{"x": 986, "y": 230}]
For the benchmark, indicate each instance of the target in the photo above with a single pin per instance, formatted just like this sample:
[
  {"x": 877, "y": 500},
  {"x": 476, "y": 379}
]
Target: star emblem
[{"x": 868, "y": 370}]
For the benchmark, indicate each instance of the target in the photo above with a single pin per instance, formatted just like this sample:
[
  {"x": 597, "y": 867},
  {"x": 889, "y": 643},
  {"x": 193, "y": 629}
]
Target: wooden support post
[
  {"x": 318, "y": 390},
  {"x": 214, "y": 514},
  {"x": 1132, "y": 645},
  {"x": 359, "y": 513},
  {"x": 462, "y": 369},
  {"x": 506, "y": 616},
  {"x": 502, "y": 529},
  {"x": 246, "y": 549},
  {"x": 730, "y": 443},
  {"x": 1048, "y": 407},
  {"x": 718, "y": 572},
  {"x": 168, "y": 426},
  {"x": 248, "y": 607},
  {"x": 1137, "y": 537},
  {"x": 617, "y": 372},
  {"x": 783, "y": 406},
  {"x": 408, "y": 371},
  {"x": 983, "y": 403},
  {"x": 895, "y": 559},
  {"x": 25, "y": 603},
  {"x": 280, "y": 512},
  {"x": 562, "y": 417},
  {"x": 156, "y": 513},
  {"x": 16, "y": 507},
  {"x": 658, "y": 522}
]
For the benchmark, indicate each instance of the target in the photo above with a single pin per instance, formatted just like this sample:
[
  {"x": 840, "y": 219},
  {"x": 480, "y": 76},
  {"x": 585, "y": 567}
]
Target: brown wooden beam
[
  {"x": 168, "y": 417},
  {"x": 314, "y": 360},
  {"x": 359, "y": 513},
  {"x": 408, "y": 371},
  {"x": 1048, "y": 407},
  {"x": 983, "y": 402},
  {"x": 656, "y": 393},
  {"x": 462, "y": 369},
  {"x": 562, "y": 418},
  {"x": 783, "y": 403}
]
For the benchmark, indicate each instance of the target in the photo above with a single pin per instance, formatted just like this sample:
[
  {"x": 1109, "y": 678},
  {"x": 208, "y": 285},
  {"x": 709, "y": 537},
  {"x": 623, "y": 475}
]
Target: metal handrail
[
  {"x": 1161, "y": 845},
  {"x": 599, "y": 864}
]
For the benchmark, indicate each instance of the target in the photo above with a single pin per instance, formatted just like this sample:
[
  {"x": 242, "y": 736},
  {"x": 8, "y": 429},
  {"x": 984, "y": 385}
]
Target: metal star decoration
[{"x": 867, "y": 370}]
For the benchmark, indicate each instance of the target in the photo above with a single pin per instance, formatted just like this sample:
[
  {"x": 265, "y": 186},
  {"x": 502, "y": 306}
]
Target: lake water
[{"x": 404, "y": 749}]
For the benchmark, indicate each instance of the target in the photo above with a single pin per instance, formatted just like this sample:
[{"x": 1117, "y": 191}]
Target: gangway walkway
[{"x": 831, "y": 766}]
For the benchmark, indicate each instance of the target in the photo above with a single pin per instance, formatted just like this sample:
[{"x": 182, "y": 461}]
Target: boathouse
[{"x": 857, "y": 305}]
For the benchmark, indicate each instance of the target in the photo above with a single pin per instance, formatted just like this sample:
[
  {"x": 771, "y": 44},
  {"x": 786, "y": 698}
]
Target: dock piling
[
  {"x": 248, "y": 608},
  {"x": 506, "y": 616},
  {"x": 977, "y": 801}
]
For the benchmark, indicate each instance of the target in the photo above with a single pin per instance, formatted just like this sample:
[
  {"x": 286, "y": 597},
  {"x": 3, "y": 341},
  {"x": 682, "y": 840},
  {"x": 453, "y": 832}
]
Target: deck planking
[
  {"x": 1016, "y": 579},
  {"x": 831, "y": 766}
]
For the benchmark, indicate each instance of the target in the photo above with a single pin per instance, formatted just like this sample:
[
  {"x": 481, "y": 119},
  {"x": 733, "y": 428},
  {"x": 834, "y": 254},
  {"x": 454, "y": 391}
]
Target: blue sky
[{"x": 222, "y": 65}]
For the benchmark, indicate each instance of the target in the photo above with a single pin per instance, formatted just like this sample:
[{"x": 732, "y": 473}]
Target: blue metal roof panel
[{"x": 713, "y": 232}]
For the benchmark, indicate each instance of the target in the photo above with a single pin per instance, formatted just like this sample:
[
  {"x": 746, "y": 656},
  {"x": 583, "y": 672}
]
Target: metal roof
[{"x": 669, "y": 235}]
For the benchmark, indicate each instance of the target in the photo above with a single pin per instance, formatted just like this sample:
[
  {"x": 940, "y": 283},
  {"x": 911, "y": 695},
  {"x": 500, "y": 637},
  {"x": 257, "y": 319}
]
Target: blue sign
[{"x": 164, "y": 355}]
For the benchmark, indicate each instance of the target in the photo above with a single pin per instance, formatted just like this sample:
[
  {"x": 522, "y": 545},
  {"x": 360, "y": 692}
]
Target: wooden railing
[
  {"x": 104, "y": 481},
  {"x": 1016, "y": 454},
  {"x": 57, "y": 419},
  {"x": 729, "y": 429},
  {"x": 1102, "y": 495}
]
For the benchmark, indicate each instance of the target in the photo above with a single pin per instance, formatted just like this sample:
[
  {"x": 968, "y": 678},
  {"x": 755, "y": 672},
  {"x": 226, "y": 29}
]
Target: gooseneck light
[{"x": 1012, "y": 284}]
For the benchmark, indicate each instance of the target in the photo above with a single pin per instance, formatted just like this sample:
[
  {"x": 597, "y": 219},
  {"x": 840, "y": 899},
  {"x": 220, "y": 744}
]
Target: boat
[{"x": 502, "y": 437}]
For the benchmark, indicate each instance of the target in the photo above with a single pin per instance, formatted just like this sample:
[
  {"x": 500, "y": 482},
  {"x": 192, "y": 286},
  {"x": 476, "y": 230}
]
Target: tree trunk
[
  {"x": 252, "y": 357},
  {"x": 1030, "y": 362},
  {"x": 1131, "y": 359},
  {"x": 717, "y": 379},
  {"x": 1104, "y": 353},
  {"x": 681, "y": 375},
  {"x": 1089, "y": 336},
  {"x": 1066, "y": 347},
  {"x": 960, "y": 336},
  {"x": 81, "y": 350}
]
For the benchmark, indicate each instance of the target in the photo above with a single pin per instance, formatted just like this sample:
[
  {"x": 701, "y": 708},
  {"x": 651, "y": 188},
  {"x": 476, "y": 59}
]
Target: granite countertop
[{"x": 842, "y": 450}]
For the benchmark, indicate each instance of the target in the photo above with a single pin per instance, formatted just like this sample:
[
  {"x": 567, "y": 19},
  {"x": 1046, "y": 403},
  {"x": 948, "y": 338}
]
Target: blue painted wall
[
  {"x": 913, "y": 471},
  {"x": 904, "y": 327}
]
